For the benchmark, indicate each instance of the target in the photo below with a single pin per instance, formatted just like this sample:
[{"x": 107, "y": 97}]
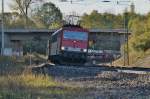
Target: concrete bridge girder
[{"x": 15, "y": 38}]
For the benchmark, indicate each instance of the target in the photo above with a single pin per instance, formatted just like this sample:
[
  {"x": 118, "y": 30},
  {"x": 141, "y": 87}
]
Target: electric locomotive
[{"x": 69, "y": 45}]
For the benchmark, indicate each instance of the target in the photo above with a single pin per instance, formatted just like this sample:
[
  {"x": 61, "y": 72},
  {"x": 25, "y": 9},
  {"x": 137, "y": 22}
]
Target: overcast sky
[{"x": 86, "y": 6}]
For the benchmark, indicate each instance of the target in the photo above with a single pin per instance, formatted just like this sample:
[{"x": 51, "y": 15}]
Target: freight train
[{"x": 69, "y": 45}]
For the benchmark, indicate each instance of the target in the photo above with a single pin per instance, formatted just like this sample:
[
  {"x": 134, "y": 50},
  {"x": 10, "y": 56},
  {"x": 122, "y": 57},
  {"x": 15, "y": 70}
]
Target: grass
[
  {"x": 30, "y": 86},
  {"x": 134, "y": 58},
  {"x": 17, "y": 82},
  {"x": 26, "y": 80}
]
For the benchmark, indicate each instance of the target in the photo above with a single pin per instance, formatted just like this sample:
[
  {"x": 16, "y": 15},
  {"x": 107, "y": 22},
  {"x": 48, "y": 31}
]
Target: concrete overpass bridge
[{"x": 15, "y": 37}]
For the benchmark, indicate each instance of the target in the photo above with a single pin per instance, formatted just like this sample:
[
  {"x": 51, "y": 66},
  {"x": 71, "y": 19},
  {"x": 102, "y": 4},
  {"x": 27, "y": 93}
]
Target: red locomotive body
[{"x": 69, "y": 45}]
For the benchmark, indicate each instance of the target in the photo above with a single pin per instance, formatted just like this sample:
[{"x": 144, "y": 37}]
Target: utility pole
[
  {"x": 26, "y": 16},
  {"x": 126, "y": 53},
  {"x": 2, "y": 47},
  {"x": 126, "y": 39}
]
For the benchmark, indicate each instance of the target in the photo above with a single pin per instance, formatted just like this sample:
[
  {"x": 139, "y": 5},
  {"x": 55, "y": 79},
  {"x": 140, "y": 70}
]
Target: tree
[
  {"x": 137, "y": 26},
  {"x": 15, "y": 20},
  {"x": 11, "y": 19},
  {"x": 23, "y": 6},
  {"x": 105, "y": 20},
  {"x": 140, "y": 27},
  {"x": 49, "y": 14}
]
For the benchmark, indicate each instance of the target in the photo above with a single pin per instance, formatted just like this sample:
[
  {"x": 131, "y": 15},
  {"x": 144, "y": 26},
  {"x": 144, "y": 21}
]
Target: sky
[{"x": 87, "y": 6}]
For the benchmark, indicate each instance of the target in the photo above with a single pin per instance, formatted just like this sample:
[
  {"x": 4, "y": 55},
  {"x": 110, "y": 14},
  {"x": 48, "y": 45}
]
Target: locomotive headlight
[
  {"x": 84, "y": 50},
  {"x": 62, "y": 48}
]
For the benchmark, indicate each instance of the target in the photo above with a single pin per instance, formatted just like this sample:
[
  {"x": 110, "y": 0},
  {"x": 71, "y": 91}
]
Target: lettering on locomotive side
[{"x": 94, "y": 51}]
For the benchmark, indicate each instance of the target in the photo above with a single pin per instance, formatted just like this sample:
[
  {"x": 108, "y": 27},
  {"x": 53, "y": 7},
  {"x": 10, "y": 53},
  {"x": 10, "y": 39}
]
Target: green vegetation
[
  {"x": 49, "y": 15},
  {"x": 26, "y": 80},
  {"x": 37, "y": 45},
  {"x": 102, "y": 21},
  {"x": 45, "y": 16},
  {"x": 18, "y": 82},
  {"x": 139, "y": 42},
  {"x": 30, "y": 86},
  {"x": 9, "y": 65}
]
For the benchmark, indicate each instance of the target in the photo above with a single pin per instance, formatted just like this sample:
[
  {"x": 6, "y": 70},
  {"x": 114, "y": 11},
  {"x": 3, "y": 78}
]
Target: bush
[
  {"x": 142, "y": 42},
  {"x": 10, "y": 65},
  {"x": 37, "y": 45}
]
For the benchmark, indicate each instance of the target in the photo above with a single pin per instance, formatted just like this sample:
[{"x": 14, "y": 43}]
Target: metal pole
[
  {"x": 2, "y": 48},
  {"x": 124, "y": 56},
  {"x": 30, "y": 53},
  {"x": 26, "y": 16},
  {"x": 127, "y": 42},
  {"x": 126, "y": 39},
  {"x": 30, "y": 56}
]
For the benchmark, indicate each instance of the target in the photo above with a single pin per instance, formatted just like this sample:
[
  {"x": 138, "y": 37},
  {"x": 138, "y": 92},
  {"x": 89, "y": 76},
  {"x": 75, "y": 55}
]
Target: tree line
[{"x": 42, "y": 14}]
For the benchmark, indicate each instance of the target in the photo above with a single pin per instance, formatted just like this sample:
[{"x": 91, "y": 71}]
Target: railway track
[
  {"x": 103, "y": 67},
  {"x": 69, "y": 72}
]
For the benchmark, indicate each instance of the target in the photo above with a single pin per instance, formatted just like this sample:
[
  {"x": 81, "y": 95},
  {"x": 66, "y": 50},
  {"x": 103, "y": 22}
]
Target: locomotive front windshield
[{"x": 75, "y": 35}]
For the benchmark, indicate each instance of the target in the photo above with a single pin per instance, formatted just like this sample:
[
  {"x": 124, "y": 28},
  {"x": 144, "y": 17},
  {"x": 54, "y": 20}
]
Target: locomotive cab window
[{"x": 75, "y": 35}]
